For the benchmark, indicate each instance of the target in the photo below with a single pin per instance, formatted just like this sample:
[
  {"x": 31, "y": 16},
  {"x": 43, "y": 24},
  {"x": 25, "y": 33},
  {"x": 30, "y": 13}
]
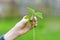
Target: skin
[{"x": 20, "y": 28}]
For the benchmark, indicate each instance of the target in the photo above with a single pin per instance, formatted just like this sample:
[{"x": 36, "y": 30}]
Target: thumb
[
  {"x": 24, "y": 20},
  {"x": 21, "y": 23}
]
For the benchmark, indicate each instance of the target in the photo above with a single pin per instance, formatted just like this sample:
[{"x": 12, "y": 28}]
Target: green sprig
[{"x": 32, "y": 13}]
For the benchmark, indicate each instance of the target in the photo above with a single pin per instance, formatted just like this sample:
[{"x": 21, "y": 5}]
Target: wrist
[{"x": 11, "y": 35}]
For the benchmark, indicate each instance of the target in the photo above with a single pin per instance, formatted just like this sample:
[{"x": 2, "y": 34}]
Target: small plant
[{"x": 32, "y": 13}]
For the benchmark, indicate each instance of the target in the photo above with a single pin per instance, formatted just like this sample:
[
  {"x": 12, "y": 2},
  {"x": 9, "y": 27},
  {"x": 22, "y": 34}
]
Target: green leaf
[
  {"x": 28, "y": 16},
  {"x": 32, "y": 13},
  {"x": 39, "y": 14},
  {"x": 30, "y": 22},
  {"x": 31, "y": 10}
]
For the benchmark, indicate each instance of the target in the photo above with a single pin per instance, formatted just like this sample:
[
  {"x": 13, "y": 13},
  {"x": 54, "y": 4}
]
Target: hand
[{"x": 20, "y": 28}]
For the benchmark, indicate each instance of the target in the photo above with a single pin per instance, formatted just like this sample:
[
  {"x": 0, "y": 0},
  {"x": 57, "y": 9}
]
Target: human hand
[{"x": 20, "y": 28}]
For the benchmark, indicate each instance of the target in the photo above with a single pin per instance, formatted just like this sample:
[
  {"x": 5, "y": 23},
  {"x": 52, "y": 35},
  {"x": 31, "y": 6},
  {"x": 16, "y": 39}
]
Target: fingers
[
  {"x": 35, "y": 21},
  {"x": 32, "y": 18},
  {"x": 26, "y": 29}
]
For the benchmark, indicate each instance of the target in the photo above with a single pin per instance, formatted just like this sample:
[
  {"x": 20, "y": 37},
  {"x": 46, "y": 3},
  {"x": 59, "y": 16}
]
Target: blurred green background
[{"x": 12, "y": 11}]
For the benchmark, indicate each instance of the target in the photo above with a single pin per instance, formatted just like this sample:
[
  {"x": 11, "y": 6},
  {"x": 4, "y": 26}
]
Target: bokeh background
[{"x": 48, "y": 28}]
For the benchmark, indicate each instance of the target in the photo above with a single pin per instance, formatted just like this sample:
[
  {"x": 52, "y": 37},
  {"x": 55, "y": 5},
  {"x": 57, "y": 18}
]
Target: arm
[{"x": 19, "y": 29}]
